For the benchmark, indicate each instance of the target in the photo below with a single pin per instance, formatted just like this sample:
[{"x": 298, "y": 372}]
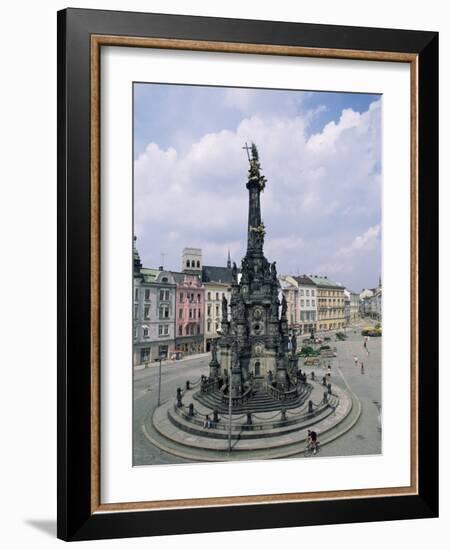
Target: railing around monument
[
  {"x": 279, "y": 419},
  {"x": 209, "y": 385},
  {"x": 281, "y": 395},
  {"x": 238, "y": 400}
]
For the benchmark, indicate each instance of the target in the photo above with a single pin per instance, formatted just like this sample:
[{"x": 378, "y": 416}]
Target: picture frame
[{"x": 81, "y": 36}]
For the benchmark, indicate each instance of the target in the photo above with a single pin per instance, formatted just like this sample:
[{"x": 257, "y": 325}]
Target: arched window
[
  {"x": 188, "y": 263},
  {"x": 198, "y": 263}
]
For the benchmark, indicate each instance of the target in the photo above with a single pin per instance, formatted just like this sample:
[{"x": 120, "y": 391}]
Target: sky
[{"x": 320, "y": 153}]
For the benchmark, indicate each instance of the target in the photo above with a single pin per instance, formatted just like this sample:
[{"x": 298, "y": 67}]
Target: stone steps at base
[
  {"x": 260, "y": 402},
  {"x": 242, "y": 433}
]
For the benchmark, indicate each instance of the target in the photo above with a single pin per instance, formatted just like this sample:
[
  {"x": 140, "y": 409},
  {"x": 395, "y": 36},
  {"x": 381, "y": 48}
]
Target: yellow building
[{"x": 330, "y": 304}]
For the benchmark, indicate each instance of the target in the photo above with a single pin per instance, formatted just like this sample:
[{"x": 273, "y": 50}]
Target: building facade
[
  {"x": 371, "y": 302},
  {"x": 189, "y": 329},
  {"x": 217, "y": 284},
  {"x": 372, "y": 306},
  {"x": 330, "y": 303},
  {"x": 153, "y": 315},
  {"x": 307, "y": 304},
  {"x": 355, "y": 316}
]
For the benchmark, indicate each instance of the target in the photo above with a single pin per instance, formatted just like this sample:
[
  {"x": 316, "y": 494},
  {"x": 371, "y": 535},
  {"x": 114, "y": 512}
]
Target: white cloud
[
  {"x": 321, "y": 191},
  {"x": 365, "y": 242}
]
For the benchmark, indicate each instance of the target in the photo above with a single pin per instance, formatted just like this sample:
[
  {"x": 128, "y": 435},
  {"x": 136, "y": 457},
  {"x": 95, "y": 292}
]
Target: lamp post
[{"x": 160, "y": 358}]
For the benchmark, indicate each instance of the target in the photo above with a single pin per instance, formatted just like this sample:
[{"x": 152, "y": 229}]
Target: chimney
[{"x": 161, "y": 268}]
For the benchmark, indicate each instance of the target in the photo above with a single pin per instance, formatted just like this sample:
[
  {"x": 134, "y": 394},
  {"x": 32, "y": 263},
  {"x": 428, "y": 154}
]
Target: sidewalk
[{"x": 171, "y": 361}]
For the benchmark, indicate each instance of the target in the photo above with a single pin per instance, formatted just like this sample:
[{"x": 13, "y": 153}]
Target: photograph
[{"x": 257, "y": 274}]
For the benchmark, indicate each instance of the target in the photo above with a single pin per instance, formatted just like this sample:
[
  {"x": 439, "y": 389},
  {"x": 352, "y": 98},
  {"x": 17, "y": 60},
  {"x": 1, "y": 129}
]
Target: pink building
[{"x": 190, "y": 299}]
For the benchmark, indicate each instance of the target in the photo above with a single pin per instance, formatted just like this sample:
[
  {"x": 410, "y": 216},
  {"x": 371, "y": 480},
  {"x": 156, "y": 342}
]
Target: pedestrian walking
[
  {"x": 362, "y": 367},
  {"x": 355, "y": 359}
]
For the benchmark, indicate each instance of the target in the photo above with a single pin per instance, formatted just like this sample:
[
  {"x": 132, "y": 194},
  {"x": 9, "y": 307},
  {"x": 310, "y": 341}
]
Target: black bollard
[
  {"x": 324, "y": 381},
  {"x": 179, "y": 398},
  {"x": 191, "y": 409},
  {"x": 215, "y": 416},
  {"x": 249, "y": 419},
  {"x": 329, "y": 388},
  {"x": 312, "y": 375},
  {"x": 325, "y": 397},
  {"x": 188, "y": 385},
  {"x": 310, "y": 406}
]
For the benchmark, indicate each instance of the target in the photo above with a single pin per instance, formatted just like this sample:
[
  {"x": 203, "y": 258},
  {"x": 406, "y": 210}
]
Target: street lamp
[{"x": 162, "y": 356}]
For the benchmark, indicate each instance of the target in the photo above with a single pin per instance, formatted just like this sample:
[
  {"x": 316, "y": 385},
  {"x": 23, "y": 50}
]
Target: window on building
[
  {"x": 302, "y": 292},
  {"x": 145, "y": 332},
  {"x": 217, "y": 327},
  {"x": 164, "y": 295},
  {"x": 188, "y": 263},
  {"x": 199, "y": 297},
  {"x": 199, "y": 313},
  {"x": 136, "y": 311},
  {"x": 307, "y": 303},
  {"x": 209, "y": 295},
  {"x": 198, "y": 329},
  {"x": 195, "y": 313},
  {"x": 307, "y": 292},
  {"x": 217, "y": 311},
  {"x": 313, "y": 292},
  {"x": 165, "y": 280},
  {"x": 217, "y": 296},
  {"x": 209, "y": 326},
  {"x": 302, "y": 303},
  {"x": 180, "y": 314},
  {"x": 135, "y": 333},
  {"x": 146, "y": 312},
  {"x": 136, "y": 294},
  {"x": 181, "y": 296},
  {"x": 198, "y": 263},
  {"x": 145, "y": 355},
  {"x": 163, "y": 330},
  {"x": 190, "y": 313},
  {"x": 164, "y": 312},
  {"x": 209, "y": 311},
  {"x": 180, "y": 330},
  {"x": 147, "y": 294},
  {"x": 313, "y": 303}
]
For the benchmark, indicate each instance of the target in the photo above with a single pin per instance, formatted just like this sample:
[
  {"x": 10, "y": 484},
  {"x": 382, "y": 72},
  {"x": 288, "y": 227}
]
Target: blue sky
[{"x": 321, "y": 154}]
